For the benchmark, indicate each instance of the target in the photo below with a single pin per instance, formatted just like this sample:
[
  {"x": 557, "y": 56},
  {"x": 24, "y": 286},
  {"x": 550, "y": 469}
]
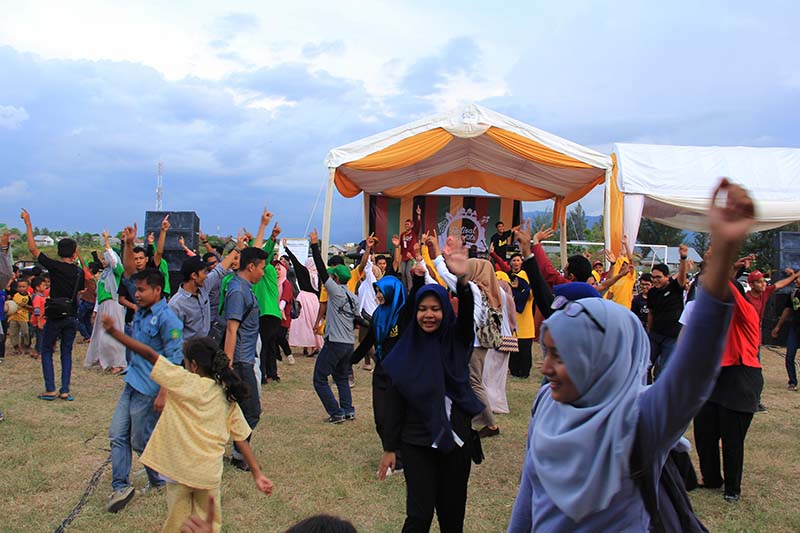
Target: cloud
[
  {"x": 16, "y": 191},
  {"x": 314, "y": 50},
  {"x": 12, "y": 117}
]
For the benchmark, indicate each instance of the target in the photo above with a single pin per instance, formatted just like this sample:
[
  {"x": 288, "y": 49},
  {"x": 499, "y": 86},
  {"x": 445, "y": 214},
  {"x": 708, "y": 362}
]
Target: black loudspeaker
[
  {"x": 785, "y": 253},
  {"x": 184, "y": 224}
]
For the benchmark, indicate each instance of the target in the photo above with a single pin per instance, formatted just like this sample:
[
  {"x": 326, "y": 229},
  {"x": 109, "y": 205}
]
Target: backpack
[
  {"x": 489, "y": 333},
  {"x": 296, "y": 308}
]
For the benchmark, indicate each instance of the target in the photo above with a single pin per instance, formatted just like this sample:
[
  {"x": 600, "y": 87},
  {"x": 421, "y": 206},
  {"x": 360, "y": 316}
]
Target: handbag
[
  {"x": 63, "y": 307},
  {"x": 488, "y": 333},
  {"x": 508, "y": 344}
]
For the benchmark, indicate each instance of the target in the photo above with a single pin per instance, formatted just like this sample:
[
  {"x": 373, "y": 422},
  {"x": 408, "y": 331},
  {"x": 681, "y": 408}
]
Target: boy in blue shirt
[{"x": 141, "y": 401}]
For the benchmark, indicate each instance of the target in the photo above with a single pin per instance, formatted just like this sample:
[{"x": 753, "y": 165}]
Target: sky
[{"x": 241, "y": 101}]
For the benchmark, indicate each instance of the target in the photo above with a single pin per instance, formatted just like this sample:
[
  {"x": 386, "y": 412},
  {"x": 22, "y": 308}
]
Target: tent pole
[
  {"x": 607, "y": 218},
  {"x": 326, "y": 216},
  {"x": 365, "y": 217},
  {"x": 563, "y": 244}
]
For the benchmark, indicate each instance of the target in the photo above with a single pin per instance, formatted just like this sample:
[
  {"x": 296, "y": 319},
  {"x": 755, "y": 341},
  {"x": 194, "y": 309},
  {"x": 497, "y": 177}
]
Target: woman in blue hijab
[
  {"x": 430, "y": 404},
  {"x": 577, "y": 475},
  {"x": 389, "y": 321}
]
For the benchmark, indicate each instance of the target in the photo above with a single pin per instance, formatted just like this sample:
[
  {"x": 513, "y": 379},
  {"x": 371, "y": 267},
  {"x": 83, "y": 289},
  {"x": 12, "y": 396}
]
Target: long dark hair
[{"x": 215, "y": 364}]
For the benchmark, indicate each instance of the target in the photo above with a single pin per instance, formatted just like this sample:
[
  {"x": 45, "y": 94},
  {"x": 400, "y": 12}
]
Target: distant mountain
[{"x": 591, "y": 220}]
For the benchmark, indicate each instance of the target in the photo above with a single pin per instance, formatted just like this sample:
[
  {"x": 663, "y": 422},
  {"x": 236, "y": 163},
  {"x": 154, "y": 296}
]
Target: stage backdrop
[{"x": 471, "y": 216}]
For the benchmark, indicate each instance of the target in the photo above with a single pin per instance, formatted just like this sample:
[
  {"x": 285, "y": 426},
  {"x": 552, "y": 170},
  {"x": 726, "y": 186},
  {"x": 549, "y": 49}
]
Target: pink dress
[{"x": 301, "y": 332}]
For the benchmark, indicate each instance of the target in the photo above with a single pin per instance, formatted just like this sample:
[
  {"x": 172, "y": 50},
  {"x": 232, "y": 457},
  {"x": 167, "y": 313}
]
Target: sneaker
[
  {"x": 148, "y": 489},
  {"x": 119, "y": 499},
  {"x": 350, "y": 416},
  {"x": 240, "y": 464},
  {"x": 352, "y": 381},
  {"x": 761, "y": 408},
  {"x": 732, "y": 498},
  {"x": 290, "y": 359},
  {"x": 335, "y": 419},
  {"x": 792, "y": 388}
]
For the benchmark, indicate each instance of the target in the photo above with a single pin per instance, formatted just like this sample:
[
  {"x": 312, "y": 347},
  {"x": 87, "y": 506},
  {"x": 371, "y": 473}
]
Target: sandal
[
  {"x": 47, "y": 397},
  {"x": 67, "y": 397}
]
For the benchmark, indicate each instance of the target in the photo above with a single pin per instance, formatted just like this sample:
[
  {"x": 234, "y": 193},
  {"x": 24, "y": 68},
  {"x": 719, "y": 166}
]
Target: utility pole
[{"x": 160, "y": 189}]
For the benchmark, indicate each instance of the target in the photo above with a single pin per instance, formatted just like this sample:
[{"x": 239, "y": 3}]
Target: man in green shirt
[{"x": 266, "y": 291}]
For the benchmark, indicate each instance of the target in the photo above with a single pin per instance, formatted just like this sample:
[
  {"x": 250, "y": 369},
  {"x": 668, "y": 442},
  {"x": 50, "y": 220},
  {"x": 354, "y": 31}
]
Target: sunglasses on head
[{"x": 573, "y": 309}]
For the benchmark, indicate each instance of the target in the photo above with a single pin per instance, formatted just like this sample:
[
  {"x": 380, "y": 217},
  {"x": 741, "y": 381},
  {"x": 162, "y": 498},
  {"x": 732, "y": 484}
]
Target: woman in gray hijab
[{"x": 577, "y": 475}]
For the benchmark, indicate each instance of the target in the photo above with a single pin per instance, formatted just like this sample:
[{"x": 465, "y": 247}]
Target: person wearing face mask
[
  {"x": 430, "y": 403},
  {"x": 596, "y": 416}
]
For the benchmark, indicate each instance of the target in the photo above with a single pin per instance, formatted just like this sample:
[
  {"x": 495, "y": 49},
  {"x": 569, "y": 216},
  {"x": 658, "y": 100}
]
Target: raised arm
[
  {"x": 128, "y": 238},
  {"x": 365, "y": 256},
  {"x": 162, "y": 238},
  {"x": 542, "y": 295},
  {"x": 129, "y": 342},
  {"x": 29, "y": 233},
  {"x": 322, "y": 269},
  {"x": 457, "y": 266},
  {"x": 624, "y": 270},
  {"x": 396, "y": 253},
  {"x": 788, "y": 280},
  {"x": 209, "y": 248},
  {"x": 300, "y": 271},
  {"x": 669, "y": 405},
  {"x": 266, "y": 217}
]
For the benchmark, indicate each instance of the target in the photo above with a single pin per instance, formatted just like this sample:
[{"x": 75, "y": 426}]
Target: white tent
[
  {"x": 468, "y": 147},
  {"x": 673, "y": 184}
]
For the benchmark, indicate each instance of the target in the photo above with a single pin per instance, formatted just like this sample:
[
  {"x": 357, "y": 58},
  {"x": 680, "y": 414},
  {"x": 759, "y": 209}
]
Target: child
[
  {"x": 188, "y": 443},
  {"x": 37, "y": 316},
  {"x": 18, "y": 330}
]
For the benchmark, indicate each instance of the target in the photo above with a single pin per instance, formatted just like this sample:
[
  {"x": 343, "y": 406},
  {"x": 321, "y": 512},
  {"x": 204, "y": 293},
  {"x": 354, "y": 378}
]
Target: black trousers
[
  {"x": 519, "y": 363},
  {"x": 435, "y": 481},
  {"x": 711, "y": 424},
  {"x": 269, "y": 328},
  {"x": 250, "y": 406},
  {"x": 283, "y": 341}
]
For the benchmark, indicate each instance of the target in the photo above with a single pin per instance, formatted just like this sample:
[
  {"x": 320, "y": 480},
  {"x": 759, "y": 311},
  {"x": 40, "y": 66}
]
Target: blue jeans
[
  {"x": 250, "y": 406},
  {"x": 661, "y": 348},
  {"x": 334, "y": 359},
  {"x": 62, "y": 329},
  {"x": 792, "y": 343},
  {"x": 85, "y": 310},
  {"x": 131, "y": 427}
]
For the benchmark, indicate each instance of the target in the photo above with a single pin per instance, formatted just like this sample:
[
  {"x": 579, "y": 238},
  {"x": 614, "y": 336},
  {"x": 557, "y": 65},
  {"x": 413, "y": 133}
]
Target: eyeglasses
[{"x": 573, "y": 309}]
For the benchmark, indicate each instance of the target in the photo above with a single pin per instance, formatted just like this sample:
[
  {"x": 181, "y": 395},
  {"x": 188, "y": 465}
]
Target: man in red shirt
[
  {"x": 760, "y": 292},
  {"x": 407, "y": 241}
]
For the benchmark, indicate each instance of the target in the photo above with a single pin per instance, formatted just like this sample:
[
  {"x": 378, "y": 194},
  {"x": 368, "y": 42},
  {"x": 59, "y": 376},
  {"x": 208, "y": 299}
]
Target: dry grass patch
[{"x": 50, "y": 450}]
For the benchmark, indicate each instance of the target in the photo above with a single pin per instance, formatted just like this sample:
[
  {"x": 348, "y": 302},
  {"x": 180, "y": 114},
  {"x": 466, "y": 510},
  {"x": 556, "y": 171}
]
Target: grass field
[{"x": 50, "y": 450}]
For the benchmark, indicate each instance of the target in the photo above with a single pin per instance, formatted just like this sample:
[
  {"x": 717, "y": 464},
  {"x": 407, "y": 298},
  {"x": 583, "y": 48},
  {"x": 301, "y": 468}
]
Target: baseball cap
[{"x": 755, "y": 276}]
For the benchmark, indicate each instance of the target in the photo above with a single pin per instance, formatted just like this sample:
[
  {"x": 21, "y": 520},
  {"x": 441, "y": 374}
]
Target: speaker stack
[
  {"x": 184, "y": 224},
  {"x": 785, "y": 253}
]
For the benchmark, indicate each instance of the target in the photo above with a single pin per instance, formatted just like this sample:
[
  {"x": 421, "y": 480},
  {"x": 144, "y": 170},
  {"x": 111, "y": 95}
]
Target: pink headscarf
[{"x": 312, "y": 272}]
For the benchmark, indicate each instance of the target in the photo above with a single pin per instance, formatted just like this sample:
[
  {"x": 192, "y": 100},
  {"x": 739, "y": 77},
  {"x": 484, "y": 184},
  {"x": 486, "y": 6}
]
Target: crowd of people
[{"x": 625, "y": 370}]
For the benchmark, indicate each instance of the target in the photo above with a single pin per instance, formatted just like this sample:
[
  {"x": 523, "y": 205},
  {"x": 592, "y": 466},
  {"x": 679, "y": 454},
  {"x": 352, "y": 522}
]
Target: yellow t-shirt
[
  {"x": 22, "y": 315},
  {"x": 189, "y": 440},
  {"x": 525, "y": 326},
  {"x": 622, "y": 291}
]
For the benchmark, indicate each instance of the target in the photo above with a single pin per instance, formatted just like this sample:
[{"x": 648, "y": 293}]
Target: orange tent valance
[
  {"x": 504, "y": 187},
  {"x": 404, "y": 153},
  {"x": 532, "y": 150}
]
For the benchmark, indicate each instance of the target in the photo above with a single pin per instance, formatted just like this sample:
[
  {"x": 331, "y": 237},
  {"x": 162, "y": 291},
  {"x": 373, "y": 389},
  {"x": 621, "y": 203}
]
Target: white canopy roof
[
  {"x": 467, "y": 157},
  {"x": 673, "y": 184}
]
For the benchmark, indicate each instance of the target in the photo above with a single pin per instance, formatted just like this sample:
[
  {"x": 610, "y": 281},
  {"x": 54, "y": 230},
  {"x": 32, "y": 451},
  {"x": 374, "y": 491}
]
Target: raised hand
[
  {"x": 544, "y": 233},
  {"x": 456, "y": 260},
  {"x": 266, "y": 217},
  {"x": 241, "y": 240},
  {"x": 371, "y": 241},
  {"x": 202, "y": 236},
  {"x": 524, "y": 238},
  {"x": 165, "y": 225},
  {"x": 25, "y": 216},
  {"x": 276, "y": 230},
  {"x": 182, "y": 242},
  {"x": 314, "y": 236},
  {"x": 419, "y": 269},
  {"x": 395, "y": 240},
  {"x": 610, "y": 256},
  {"x": 683, "y": 251},
  {"x": 731, "y": 213},
  {"x": 106, "y": 235},
  {"x": 419, "y": 210}
]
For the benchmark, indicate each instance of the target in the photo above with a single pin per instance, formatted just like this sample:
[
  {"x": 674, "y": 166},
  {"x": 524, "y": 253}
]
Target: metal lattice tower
[{"x": 160, "y": 189}]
